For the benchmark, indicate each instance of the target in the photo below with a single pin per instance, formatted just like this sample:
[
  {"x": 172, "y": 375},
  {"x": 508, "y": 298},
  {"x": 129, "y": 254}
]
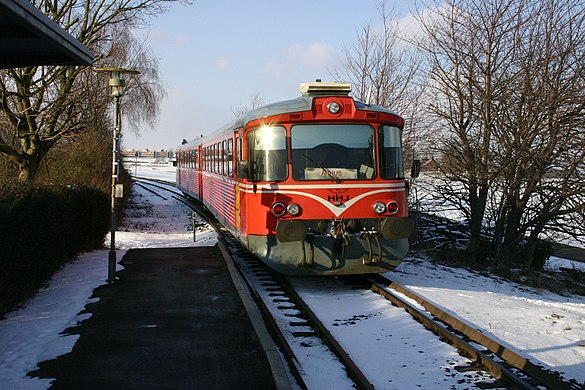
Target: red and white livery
[{"x": 313, "y": 185}]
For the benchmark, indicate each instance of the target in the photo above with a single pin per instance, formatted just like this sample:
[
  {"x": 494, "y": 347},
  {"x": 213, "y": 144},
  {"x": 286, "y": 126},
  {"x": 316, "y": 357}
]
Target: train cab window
[
  {"x": 267, "y": 154},
  {"x": 390, "y": 152},
  {"x": 333, "y": 152}
]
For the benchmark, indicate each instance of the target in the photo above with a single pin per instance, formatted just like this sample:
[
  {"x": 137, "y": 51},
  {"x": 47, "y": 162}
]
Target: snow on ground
[
  {"x": 547, "y": 327},
  {"x": 391, "y": 349},
  {"x": 150, "y": 169}
]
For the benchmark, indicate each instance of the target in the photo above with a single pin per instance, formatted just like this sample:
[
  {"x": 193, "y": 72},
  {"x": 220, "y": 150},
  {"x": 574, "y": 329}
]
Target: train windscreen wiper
[{"x": 327, "y": 171}]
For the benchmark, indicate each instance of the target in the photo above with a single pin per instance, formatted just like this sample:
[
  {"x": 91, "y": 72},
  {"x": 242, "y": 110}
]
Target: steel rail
[
  {"x": 149, "y": 179},
  {"x": 157, "y": 184},
  {"x": 353, "y": 371},
  {"x": 382, "y": 285},
  {"x": 151, "y": 191}
]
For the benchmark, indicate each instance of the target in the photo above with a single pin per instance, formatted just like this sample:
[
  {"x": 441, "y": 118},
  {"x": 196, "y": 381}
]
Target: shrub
[{"x": 43, "y": 228}]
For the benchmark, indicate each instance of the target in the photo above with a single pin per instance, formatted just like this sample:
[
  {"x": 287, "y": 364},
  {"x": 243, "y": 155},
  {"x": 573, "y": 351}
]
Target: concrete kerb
[{"x": 279, "y": 373}]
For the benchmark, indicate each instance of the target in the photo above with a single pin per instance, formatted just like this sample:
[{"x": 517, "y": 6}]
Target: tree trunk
[
  {"x": 29, "y": 167},
  {"x": 477, "y": 207}
]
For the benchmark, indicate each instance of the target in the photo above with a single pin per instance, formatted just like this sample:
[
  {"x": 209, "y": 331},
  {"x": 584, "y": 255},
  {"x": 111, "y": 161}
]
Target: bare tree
[
  {"x": 467, "y": 46},
  {"x": 382, "y": 66},
  {"x": 42, "y": 105},
  {"x": 541, "y": 132},
  {"x": 256, "y": 101},
  {"x": 508, "y": 79}
]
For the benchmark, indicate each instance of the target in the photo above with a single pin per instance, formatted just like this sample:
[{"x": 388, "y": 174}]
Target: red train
[{"x": 313, "y": 185}]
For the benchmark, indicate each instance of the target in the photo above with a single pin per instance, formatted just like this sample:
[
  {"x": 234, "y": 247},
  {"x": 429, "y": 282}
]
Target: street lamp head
[
  {"x": 117, "y": 82},
  {"x": 116, "y": 86}
]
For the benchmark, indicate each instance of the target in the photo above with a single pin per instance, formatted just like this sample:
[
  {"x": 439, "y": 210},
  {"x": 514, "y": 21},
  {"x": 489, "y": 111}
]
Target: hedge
[{"x": 42, "y": 228}]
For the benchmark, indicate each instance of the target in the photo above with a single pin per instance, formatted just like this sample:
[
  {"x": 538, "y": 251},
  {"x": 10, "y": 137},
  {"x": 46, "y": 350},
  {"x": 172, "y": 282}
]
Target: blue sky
[{"x": 215, "y": 54}]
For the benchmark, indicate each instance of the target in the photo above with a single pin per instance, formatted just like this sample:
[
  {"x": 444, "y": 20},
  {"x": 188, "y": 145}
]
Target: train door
[{"x": 239, "y": 193}]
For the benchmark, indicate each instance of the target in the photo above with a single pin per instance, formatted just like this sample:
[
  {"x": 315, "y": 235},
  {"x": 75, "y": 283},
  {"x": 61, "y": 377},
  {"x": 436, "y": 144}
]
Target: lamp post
[{"x": 116, "y": 86}]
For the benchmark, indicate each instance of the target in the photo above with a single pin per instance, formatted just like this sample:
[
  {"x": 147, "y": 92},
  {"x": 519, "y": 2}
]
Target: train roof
[{"x": 309, "y": 91}]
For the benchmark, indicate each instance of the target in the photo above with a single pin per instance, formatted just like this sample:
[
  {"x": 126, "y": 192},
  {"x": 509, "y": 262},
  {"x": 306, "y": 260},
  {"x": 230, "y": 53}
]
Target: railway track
[
  {"x": 306, "y": 340},
  {"x": 511, "y": 368}
]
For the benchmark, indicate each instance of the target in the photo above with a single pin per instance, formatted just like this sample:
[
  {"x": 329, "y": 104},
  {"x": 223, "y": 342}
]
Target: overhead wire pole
[{"x": 116, "y": 88}]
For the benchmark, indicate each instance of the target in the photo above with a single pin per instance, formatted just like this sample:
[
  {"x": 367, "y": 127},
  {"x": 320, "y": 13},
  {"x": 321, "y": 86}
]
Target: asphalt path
[{"x": 173, "y": 320}]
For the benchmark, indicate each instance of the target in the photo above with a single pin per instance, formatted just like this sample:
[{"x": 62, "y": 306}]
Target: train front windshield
[
  {"x": 325, "y": 152},
  {"x": 333, "y": 152}
]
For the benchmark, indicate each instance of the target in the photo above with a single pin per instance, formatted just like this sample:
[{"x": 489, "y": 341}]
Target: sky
[
  {"x": 214, "y": 55},
  {"x": 383, "y": 340}
]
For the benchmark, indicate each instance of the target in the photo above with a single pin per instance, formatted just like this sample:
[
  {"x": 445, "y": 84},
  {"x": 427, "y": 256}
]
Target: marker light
[
  {"x": 278, "y": 209},
  {"x": 293, "y": 209},
  {"x": 333, "y": 107},
  {"x": 392, "y": 207},
  {"x": 379, "y": 207}
]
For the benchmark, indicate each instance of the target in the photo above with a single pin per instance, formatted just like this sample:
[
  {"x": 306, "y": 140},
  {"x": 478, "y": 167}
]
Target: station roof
[{"x": 28, "y": 37}]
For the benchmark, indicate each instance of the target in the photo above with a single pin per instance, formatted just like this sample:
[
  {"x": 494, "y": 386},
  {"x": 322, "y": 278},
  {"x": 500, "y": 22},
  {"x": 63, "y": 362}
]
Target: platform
[{"x": 174, "y": 319}]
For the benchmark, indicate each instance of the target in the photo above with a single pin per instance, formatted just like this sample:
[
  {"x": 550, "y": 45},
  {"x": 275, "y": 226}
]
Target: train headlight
[
  {"x": 392, "y": 207},
  {"x": 293, "y": 209},
  {"x": 278, "y": 209},
  {"x": 379, "y": 207},
  {"x": 333, "y": 107}
]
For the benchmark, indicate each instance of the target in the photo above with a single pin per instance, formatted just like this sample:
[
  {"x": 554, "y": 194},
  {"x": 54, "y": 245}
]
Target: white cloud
[
  {"x": 298, "y": 59},
  {"x": 316, "y": 56}
]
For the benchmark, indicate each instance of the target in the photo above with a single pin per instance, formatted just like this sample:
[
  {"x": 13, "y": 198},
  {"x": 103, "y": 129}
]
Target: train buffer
[{"x": 174, "y": 319}]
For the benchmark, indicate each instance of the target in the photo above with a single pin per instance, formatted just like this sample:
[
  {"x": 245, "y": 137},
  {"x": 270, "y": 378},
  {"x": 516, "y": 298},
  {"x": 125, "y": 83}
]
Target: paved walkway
[{"x": 173, "y": 320}]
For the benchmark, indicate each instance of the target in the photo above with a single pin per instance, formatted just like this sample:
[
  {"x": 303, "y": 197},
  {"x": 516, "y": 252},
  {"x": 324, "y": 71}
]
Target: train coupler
[
  {"x": 341, "y": 238},
  {"x": 307, "y": 262},
  {"x": 370, "y": 259}
]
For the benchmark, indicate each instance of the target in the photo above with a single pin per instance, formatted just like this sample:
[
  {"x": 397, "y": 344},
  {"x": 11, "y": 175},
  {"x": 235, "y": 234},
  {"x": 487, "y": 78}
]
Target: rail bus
[{"x": 312, "y": 185}]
